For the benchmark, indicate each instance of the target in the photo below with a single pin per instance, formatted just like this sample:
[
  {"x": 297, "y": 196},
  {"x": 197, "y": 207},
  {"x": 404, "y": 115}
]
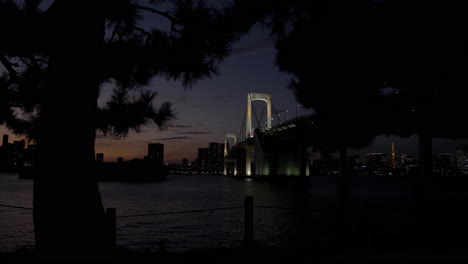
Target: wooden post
[
  {"x": 111, "y": 227},
  {"x": 248, "y": 219}
]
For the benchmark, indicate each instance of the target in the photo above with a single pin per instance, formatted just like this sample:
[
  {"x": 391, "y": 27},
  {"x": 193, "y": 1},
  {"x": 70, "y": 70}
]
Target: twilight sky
[
  {"x": 216, "y": 106},
  {"x": 212, "y": 107}
]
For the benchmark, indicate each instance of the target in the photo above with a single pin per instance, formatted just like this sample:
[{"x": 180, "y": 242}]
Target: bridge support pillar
[
  {"x": 248, "y": 161},
  {"x": 225, "y": 168},
  {"x": 226, "y": 143}
]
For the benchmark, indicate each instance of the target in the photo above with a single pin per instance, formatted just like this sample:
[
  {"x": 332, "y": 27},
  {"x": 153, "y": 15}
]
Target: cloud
[
  {"x": 253, "y": 46},
  {"x": 222, "y": 98},
  {"x": 201, "y": 106},
  {"x": 180, "y": 126},
  {"x": 181, "y": 99},
  {"x": 195, "y": 133},
  {"x": 172, "y": 138}
]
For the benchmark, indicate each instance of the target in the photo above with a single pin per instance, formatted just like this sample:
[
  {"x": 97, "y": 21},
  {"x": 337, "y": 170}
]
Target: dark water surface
[{"x": 181, "y": 232}]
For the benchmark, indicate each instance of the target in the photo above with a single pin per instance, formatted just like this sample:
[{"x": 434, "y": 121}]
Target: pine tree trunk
[{"x": 68, "y": 212}]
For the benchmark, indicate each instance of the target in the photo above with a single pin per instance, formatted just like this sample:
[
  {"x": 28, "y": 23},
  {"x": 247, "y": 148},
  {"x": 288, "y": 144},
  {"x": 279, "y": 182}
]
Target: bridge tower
[
  {"x": 266, "y": 97},
  {"x": 233, "y": 136}
]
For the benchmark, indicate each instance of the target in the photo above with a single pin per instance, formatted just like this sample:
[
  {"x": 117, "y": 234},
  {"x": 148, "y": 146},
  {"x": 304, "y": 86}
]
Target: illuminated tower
[{"x": 393, "y": 156}]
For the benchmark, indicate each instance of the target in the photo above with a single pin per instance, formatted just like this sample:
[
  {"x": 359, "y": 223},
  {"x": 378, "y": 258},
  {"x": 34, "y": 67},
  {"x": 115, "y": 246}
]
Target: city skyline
[
  {"x": 384, "y": 146},
  {"x": 173, "y": 155},
  {"x": 213, "y": 107}
]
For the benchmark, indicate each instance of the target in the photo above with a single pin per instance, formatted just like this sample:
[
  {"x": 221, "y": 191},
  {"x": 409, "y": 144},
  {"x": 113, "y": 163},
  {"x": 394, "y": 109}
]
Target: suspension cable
[
  {"x": 276, "y": 112},
  {"x": 242, "y": 124},
  {"x": 255, "y": 113},
  {"x": 261, "y": 115}
]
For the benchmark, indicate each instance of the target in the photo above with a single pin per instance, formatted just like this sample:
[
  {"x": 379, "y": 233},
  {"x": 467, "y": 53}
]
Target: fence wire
[
  {"x": 14, "y": 206},
  {"x": 181, "y": 212}
]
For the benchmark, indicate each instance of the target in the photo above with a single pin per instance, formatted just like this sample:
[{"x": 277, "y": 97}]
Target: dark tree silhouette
[
  {"x": 426, "y": 54},
  {"x": 347, "y": 55},
  {"x": 55, "y": 63},
  {"x": 328, "y": 53},
  {"x": 344, "y": 55}
]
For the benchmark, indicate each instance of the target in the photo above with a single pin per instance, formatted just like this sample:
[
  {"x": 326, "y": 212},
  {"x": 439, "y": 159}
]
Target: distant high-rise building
[
  {"x": 16, "y": 152},
  {"x": 5, "y": 140},
  {"x": 407, "y": 160},
  {"x": 100, "y": 157},
  {"x": 376, "y": 160},
  {"x": 354, "y": 161},
  {"x": 156, "y": 153},
  {"x": 184, "y": 163},
  {"x": 203, "y": 154},
  {"x": 445, "y": 163},
  {"x": 221, "y": 155},
  {"x": 19, "y": 145},
  {"x": 31, "y": 155},
  {"x": 214, "y": 155},
  {"x": 461, "y": 154},
  {"x": 393, "y": 156}
]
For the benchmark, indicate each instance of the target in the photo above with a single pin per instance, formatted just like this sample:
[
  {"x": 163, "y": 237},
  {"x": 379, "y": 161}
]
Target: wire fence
[
  {"x": 376, "y": 225},
  {"x": 15, "y": 207},
  {"x": 235, "y": 227},
  {"x": 185, "y": 211},
  {"x": 216, "y": 209},
  {"x": 181, "y": 212}
]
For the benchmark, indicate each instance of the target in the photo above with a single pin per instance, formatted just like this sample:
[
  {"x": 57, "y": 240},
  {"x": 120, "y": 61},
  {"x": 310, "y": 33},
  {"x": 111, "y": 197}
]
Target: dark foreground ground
[{"x": 255, "y": 253}]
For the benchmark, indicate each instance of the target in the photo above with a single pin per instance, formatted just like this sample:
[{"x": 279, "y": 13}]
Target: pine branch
[
  {"x": 162, "y": 13},
  {"x": 144, "y": 32},
  {"x": 9, "y": 67}
]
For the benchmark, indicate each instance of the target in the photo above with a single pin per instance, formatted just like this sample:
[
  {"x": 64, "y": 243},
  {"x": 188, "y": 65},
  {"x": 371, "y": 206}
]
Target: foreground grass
[{"x": 246, "y": 252}]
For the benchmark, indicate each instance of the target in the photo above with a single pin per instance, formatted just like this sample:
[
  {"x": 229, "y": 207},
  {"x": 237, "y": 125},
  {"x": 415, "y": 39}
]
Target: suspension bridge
[{"x": 279, "y": 150}]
